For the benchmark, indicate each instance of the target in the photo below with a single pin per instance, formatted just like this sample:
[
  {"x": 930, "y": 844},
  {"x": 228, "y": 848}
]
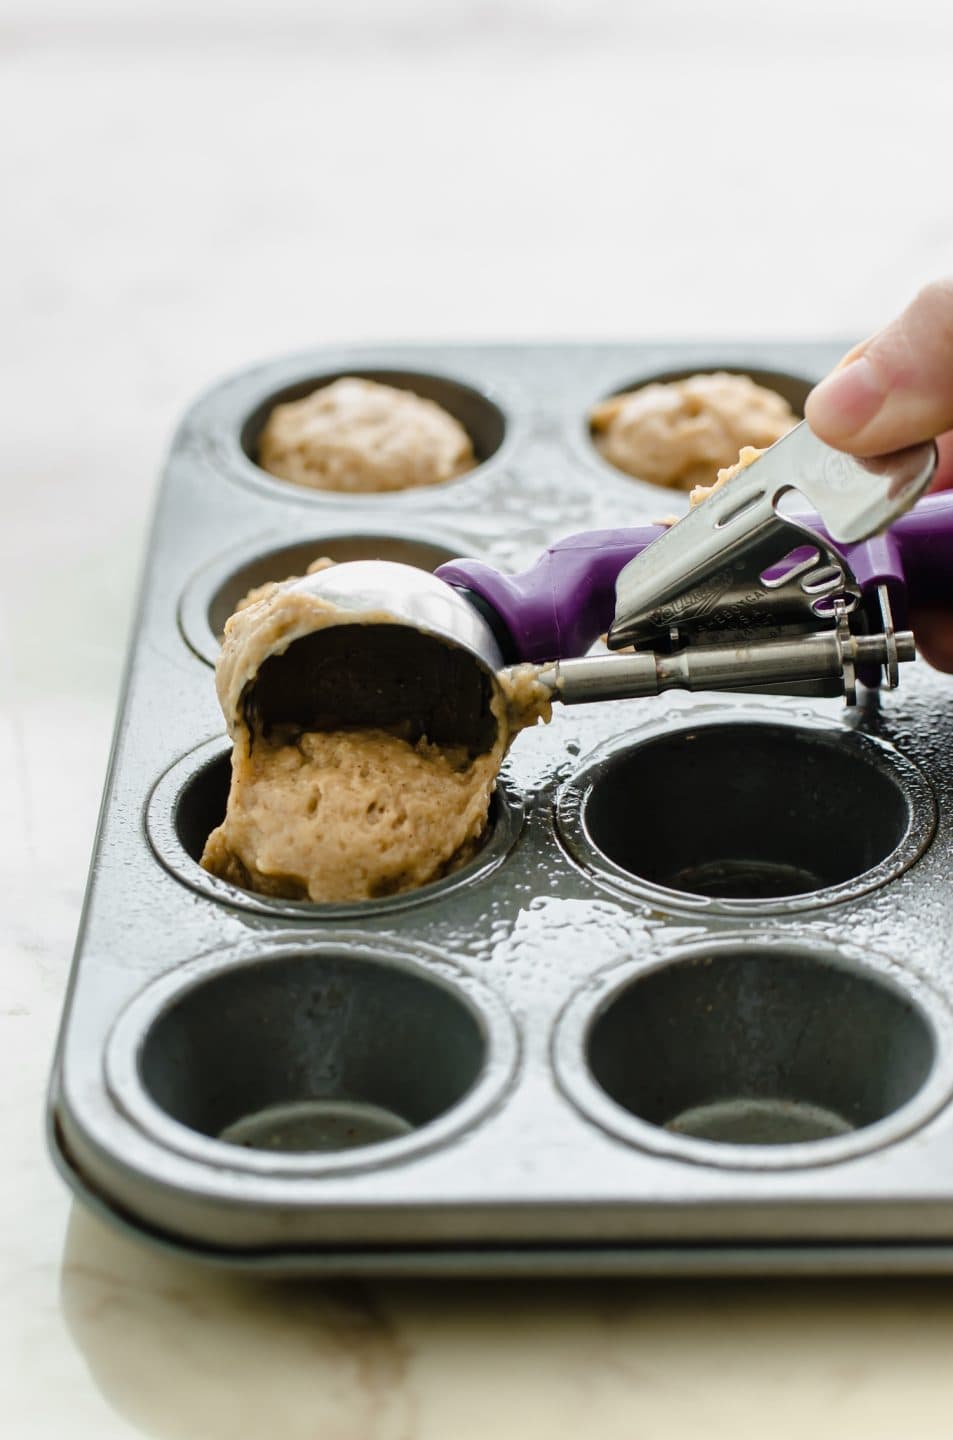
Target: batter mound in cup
[
  {"x": 682, "y": 433},
  {"x": 356, "y": 435}
]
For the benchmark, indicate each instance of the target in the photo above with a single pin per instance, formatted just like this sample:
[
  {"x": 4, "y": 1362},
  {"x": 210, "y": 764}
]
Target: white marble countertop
[{"x": 189, "y": 187}]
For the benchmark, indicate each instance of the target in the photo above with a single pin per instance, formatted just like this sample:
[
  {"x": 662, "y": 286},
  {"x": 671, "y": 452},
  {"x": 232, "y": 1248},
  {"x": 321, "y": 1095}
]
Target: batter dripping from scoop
[{"x": 343, "y": 815}]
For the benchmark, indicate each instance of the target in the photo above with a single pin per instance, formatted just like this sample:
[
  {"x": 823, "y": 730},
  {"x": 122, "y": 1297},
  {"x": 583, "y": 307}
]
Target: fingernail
[{"x": 846, "y": 401}]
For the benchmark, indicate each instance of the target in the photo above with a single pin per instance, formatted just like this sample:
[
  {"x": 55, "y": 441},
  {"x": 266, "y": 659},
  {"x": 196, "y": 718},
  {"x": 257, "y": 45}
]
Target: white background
[{"x": 187, "y": 187}]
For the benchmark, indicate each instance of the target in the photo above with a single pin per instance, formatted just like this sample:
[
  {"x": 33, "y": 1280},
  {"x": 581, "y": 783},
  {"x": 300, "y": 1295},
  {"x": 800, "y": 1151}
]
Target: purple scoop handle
[
  {"x": 563, "y": 602},
  {"x": 924, "y": 537},
  {"x": 566, "y": 600}
]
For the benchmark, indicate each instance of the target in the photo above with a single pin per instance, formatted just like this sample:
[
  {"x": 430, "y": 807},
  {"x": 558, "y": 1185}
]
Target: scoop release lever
[{"x": 738, "y": 570}]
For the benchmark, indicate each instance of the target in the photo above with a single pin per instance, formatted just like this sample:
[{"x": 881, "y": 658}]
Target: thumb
[{"x": 896, "y": 388}]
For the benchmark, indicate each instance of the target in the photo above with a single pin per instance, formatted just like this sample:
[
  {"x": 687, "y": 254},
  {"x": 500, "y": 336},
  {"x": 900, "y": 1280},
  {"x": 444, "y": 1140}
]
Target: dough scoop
[
  {"x": 419, "y": 659},
  {"x": 737, "y": 596}
]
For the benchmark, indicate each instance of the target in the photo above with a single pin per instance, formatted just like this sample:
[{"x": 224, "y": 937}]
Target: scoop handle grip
[
  {"x": 924, "y": 537},
  {"x": 913, "y": 560},
  {"x": 564, "y": 601}
]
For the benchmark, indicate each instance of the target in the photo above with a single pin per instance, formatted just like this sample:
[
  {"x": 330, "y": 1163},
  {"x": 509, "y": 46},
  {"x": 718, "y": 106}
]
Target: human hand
[{"x": 896, "y": 389}]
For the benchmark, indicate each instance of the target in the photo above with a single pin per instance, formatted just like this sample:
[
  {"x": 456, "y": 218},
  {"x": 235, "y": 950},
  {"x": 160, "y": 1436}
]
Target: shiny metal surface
[
  {"x": 435, "y": 668},
  {"x": 637, "y": 831},
  {"x": 413, "y": 596},
  {"x": 854, "y": 498},
  {"x": 215, "y": 589},
  {"x": 829, "y": 658},
  {"x": 707, "y": 576}
]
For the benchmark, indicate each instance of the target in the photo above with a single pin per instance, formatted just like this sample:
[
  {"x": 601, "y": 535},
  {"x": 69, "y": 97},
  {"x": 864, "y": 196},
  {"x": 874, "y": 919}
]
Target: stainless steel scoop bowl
[{"x": 418, "y": 659}]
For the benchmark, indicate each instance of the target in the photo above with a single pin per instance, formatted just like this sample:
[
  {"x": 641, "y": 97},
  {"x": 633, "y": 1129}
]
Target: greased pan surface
[{"x": 572, "y": 1053}]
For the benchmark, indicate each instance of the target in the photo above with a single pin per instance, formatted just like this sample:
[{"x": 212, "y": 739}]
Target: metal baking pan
[{"x": 582, "y": 1051}]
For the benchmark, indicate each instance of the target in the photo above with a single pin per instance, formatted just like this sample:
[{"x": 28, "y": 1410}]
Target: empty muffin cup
[
  {"x": 741, "y": 815},
  {"x": 189, "y": 801},
  {"x": 309, "y": 1052},
  {"x": 483, "y": 420},
  {"x": 755, "y": 1051},
  {"x": 212, "y": 595}
]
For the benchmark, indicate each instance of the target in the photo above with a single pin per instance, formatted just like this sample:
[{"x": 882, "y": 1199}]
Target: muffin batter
[
  {"x": 261, "y": 592},
  {"x": 681, "y": 434},
  {"x": 356, "y": 435},
  {"x": 346, "y": 814},
  {"x": 748, "y": 455}
]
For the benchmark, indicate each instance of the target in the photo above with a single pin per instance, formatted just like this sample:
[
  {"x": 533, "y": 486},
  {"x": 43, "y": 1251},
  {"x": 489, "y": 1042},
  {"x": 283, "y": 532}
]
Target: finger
[
  {"x": 933, "y": 629},
  {"x": 896, "y": 388},
  {"x": 943, "y": 479}
]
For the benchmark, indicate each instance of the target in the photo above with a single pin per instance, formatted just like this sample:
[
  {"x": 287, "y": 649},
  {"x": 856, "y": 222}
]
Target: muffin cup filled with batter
[
  {"x": 679, "y": 431},
  {"x": 373, "y": 432},
  {"x": 350, "y": 813}
]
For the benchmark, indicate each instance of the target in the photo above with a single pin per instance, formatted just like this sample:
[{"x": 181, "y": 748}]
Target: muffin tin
[{"x": 689, "y": 1009}]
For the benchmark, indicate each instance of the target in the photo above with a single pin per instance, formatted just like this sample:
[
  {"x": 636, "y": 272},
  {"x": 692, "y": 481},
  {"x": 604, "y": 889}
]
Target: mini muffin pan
[{"x": 690, "y": 1008}]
